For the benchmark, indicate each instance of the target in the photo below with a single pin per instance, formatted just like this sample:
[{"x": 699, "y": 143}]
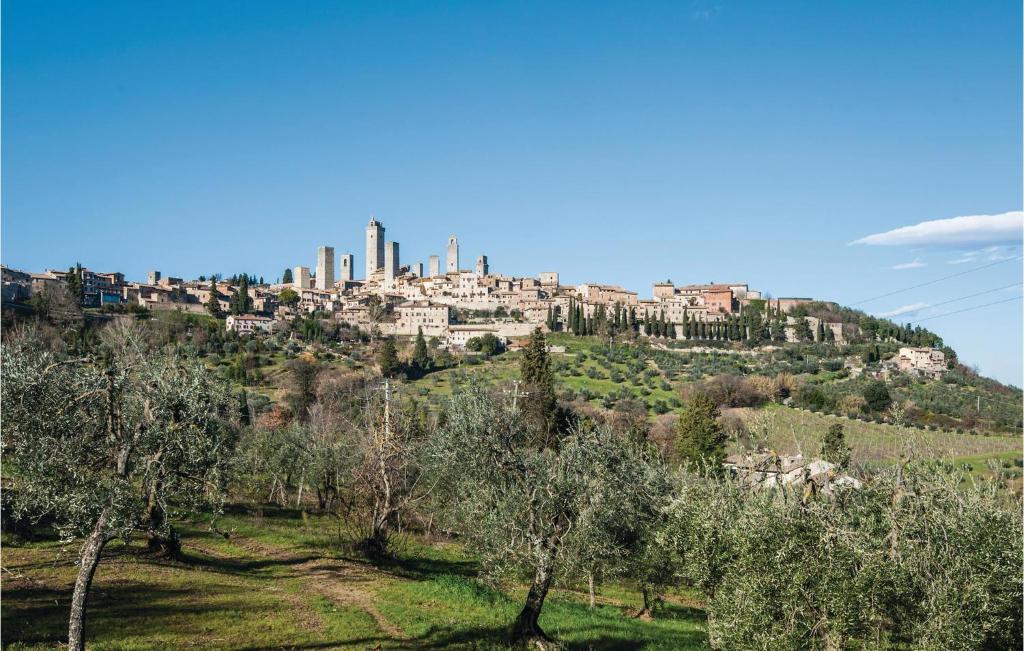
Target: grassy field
[
  {"x": 792, "y": 431},
  {"x": 285, "y": 581}
]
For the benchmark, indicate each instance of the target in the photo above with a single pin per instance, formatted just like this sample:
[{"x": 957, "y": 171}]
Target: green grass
[
  {"x": 790, "y": 431},
  {"x": 476, "y": 616},
  {"x": 287, "y": 581}
]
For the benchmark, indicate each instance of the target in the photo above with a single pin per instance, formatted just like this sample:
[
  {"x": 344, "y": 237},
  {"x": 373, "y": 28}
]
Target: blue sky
[{"x": 613, "y": 142}]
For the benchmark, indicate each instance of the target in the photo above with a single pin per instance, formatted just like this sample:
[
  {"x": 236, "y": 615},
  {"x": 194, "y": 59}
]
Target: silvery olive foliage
[
  {"x": 912, "y": 560},
  {"x": 526, "y": 508},
  {"x": 118, "y": 435}
]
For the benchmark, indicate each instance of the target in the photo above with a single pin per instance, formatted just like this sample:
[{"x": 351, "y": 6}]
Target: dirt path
[{"x": 345, "y": 583}]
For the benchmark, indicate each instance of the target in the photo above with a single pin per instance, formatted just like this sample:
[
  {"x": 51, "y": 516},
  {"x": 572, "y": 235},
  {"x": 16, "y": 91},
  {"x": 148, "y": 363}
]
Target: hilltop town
[{"x": 456, "y": 305}]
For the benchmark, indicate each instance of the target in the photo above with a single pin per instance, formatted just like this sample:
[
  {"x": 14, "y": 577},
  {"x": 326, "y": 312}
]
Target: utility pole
[
  {"x": 516, "y": 394},
  {"x": 387, "y": 408}
]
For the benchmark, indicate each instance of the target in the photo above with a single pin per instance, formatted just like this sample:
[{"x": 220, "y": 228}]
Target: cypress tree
[
  {"x": 700, "y": 439},
  {"x": 834, "y": 448},
  {"x": 212, "y": 303},
  {"x": 387, "y": 359},
  {"x": 74, "y": 283},
  {"x": 420, "y": 355},
  {"x": 540, "y": 404}
]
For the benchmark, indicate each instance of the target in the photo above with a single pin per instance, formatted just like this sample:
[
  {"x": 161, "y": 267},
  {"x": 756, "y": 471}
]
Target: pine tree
[
  {"x": 287, "y": 277},
  {"x": 213, "y": 303},
  {"x": 700, "y": 439}
]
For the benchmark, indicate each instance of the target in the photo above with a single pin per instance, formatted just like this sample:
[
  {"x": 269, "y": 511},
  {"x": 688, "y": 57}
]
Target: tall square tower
[
  {"x": 391, "y": 264},
  {"x": 325, "y": 267},
  {"x": 453, "y": 255},
  {"x": 374, "y": 247},
  {"x": 346, "y": 267}
]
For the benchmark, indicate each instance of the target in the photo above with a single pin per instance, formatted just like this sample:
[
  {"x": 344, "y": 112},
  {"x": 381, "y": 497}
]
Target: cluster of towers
[{"x": 380, "y": 255}]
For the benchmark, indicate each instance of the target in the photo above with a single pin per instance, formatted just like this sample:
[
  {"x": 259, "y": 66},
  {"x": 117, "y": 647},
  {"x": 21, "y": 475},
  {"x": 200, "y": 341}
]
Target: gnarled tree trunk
[
  {"x": 526, "y": 626},
  {"x": 89, "y": 559}
]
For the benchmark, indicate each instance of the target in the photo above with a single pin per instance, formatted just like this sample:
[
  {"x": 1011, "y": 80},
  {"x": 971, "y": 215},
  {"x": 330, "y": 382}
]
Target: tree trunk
[
  {"x": 590, "y": 585},
  {"x": 646, "y": 610},
  {"x": 526, "y": 626},
  {"x": 88, "y": 560}
]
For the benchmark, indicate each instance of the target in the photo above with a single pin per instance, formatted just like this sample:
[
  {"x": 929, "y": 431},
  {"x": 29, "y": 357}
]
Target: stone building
[
  {"x": 347, "y": 262},
  {"x": 374, "y": 247},
  {"x": 325, "y": 267},
  {"x": 458, "y": 335},
  {"x": 248, "y": 323},
  {"x": 926, "y": 362},
  {"x": 482, "y": 269},
  {"x": 435, "y": 266},
  {"x": 413, "y": 315},
  {"x": 300, "y": 278},
  {"x": 391, "y": 264},
  {"x": 549, "y": 279}
]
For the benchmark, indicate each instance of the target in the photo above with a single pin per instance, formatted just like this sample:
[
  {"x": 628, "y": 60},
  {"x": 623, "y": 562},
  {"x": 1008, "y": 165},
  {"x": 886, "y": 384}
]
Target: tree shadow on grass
[
  {"x": 248, "y": 567},
  {"x": 130, "y": 613},
  {"x": 419, "y": 568}
]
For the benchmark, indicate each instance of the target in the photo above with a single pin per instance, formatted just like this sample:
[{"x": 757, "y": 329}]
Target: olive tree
[
  {"x": 109, "y": 447},
  {"x": 524, "y": 508},
  {"x": 913, "y": 559}
]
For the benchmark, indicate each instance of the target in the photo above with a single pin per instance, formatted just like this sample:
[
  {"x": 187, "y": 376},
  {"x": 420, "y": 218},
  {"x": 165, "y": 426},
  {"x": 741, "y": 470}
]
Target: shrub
[{"x": 876, "y": 395}]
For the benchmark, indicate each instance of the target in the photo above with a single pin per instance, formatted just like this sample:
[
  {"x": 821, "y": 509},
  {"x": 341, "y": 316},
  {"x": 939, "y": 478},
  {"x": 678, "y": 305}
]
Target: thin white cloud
[
  {"x": 971, "y": 230},
  {"x": 905, "y": 309},
  {"x": 963, "y": 260},
  {"x": 916, "y": 264}
]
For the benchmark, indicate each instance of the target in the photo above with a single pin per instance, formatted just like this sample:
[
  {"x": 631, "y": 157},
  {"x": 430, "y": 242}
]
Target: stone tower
[
  {"x": 435, "y": 266},
  {"x": 346, "y": 267},
  {"x": 325, "y": 268},
  {"x": 417, "y": 269},
  {"x": 391, "y": 264},
  {"x": 300, "y": 278},
  {"x": 481, "y": 266},
  {"x": 374, "y": 247},
  {"x": 453, "y": 255}
]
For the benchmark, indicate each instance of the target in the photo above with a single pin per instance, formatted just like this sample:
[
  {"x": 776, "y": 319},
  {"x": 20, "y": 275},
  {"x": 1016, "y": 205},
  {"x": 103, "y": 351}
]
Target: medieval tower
[
  {"x": 374, "y": 247},
  {"x": 325, "y": 267},
  {"x": 453, "y": 255}
]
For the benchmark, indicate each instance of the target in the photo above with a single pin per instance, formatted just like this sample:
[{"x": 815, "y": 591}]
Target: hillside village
[{"x": 455, "y": 305}]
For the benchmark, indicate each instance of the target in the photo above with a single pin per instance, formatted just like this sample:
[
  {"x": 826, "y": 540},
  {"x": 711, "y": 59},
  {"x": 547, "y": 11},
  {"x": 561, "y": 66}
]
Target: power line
[
  {"x": 987, "y": 291},
  {"x": 968, "y": 309},
  {"x": 937, "y": 280}
]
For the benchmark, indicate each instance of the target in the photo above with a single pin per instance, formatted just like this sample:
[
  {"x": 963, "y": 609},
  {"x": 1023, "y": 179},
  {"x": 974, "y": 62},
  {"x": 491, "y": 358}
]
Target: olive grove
[{"x": 111, "y": 445}]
